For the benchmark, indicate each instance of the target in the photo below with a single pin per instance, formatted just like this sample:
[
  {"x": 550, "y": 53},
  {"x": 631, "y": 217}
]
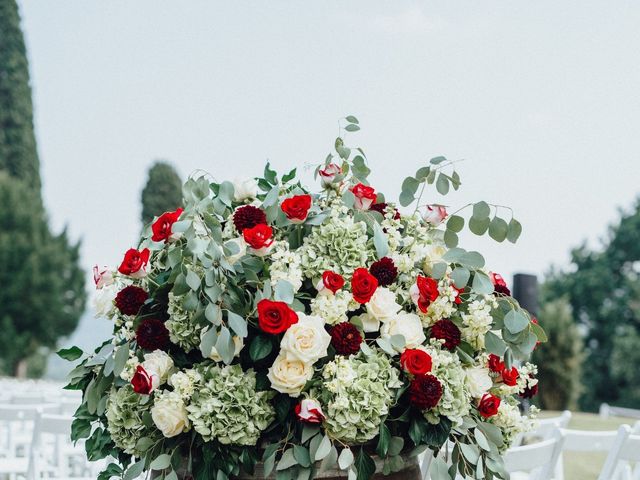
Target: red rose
[
  {"x": 258, "y": 237},
  {"x": 134, "y": 263},
  {"x": 365, "y": 196},
  {"x": 425, "y": 391},
  {"x": 332, "y": 281},
  {"x": 275, "y": 317},
  {"x": 496, "y": 364},
  {"x": 415, "y": 361},
  {"x": 423, "y": 292},
  {"x": 499, "y": 285},
  {"x": 309, "y": 411},
  {"x": 161, "y": 228},
  {"x": 142, "y": 382},
  {"x": 488, "y": 405},
  {"x": 510, "y": 377},
  {"x": 363, "y": 285},
  {"x": 297, "y": 208}
]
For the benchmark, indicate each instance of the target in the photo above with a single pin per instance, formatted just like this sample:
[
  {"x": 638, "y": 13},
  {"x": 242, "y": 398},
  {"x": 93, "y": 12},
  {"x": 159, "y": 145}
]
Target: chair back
[
  {"x": 589, "y": 441},
  {"x": 625, "y": 448},
  {"x": 538, "y": 458}
]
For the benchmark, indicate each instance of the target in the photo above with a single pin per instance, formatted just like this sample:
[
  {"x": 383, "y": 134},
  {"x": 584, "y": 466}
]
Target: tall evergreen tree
[
  {"x": 18, "y": 153},
  {"x": 42, "y": 292},
  {"x": 163, "y": 191}
]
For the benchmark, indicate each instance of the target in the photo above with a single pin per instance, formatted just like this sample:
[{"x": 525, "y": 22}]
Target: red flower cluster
[
  {"x": 248, "y": 217},
  {"x": 427, "y": 292},
  {"x": 510, "y": 377},
  {"x": 488, "y": 405},
  {"x": 275, "y": 317},
  {"x": 425, "y": 391},
  {"x": 385, "y": 271},
  {"x": 152, "y": 334},
  {"x": 161, "y": 228},
  {"x": 345, "y": 338},
  {"x": 332, "y": 281},
  {"x": 415, "y": 361},
  {"x": 448, "y": 331},
  {"x": 130, "y": 299},
  {"x": 496, "y": 364},
  {"x": 260, "y": 236},
  {"x": 499, "y": 285},
  {"x": 363, "y": 285},
  {"x": 134, "y": 262},
  {"x": 297, "y": 208}
]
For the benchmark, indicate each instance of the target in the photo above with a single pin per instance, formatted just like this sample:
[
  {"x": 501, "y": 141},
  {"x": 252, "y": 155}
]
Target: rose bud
[
  {"x": 161, "y": 228},
  {"x": 297, "y": 208},
  {"x": 246, "y": 189},
  {"x": 365, "y": 196},
  {"x": 135, "y": 263},
  {"x": 102, "y": 277},
  {"x": 144, "y": 382},
  {"x": 488, "y": 405},
  {"x": 259, "y": 238},
  {"x": 434, "y": 214},
  {"x": 423, "y": 292},
  {"x": 329, "y": 173},
  {"x": 510, "y": 377},
  {"x": 309, "y": 411},
  {"x": 330, "y": 282}
]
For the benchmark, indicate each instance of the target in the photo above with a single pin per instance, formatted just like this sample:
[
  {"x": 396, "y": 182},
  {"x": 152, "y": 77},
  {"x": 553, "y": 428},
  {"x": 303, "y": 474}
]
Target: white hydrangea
[
  {"x": 477, "y": 321},
  {"x": 130, "y": 367},
  {"x": 184, "y": 383},
  {"x": 334, "y": 308},
  {"x": 285, "y": 265},
  {"x": 511, "y": 422}
]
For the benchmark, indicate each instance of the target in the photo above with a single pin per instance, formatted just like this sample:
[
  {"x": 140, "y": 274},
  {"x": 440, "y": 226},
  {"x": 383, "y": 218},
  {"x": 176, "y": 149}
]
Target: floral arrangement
[{"x": 266, "y": 323}]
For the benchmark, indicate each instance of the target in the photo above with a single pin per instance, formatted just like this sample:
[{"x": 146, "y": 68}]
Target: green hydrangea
[
  {"x": 183, "y": 330},
  {"x": 357, "y": 392},
  {"x": 226, "y": 406},
  {"x": 124, "y": 412},
  {"x": 340, "y": 244}
]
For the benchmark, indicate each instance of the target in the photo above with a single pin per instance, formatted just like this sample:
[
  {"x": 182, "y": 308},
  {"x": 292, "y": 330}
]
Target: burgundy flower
[
  {"x": 425, "y": 391},
  {"x": 345, "y": 338},
  {"x": 130, "y": 299},
  {"x": 529, "y": 392},
  {"x": 152, "y": 335},
  {"x": 382, "y": 209},
  {"x": 448, "y": 331},
  {"x": 384, "y": 270},
  {"x": 499, "y": 285},
  {"x": 248, "y": 217}
]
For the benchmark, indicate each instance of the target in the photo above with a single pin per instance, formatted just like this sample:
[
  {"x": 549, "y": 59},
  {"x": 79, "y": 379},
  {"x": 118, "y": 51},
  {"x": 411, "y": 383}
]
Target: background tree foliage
[
  {"x": 603, "y": 288},
  {"x": 42, "y": 294},
  {"x": 162, "y": 192},
  {"x": 559, "y": 359}
]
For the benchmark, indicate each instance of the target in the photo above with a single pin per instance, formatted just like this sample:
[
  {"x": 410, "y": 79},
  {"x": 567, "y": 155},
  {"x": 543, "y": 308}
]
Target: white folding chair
[
  {"x": 626, "y": 449},
  {"x": 546, "y": 427},
  {"x": 425, "y": 462},
  {"x": 539, "y": 459}
]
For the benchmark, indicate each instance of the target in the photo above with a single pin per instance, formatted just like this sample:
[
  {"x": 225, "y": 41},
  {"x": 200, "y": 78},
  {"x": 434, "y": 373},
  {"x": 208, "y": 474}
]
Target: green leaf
[
  {"x": 301, "y": 454},
  {"x": 360, "y": 169},
  {"x": 352, "y": 127},
  {"x": 134, "y": 471},
  {"x": 225, "y": 194},
  {"x": 121, "y": 357},
  {"x": 213, "y": 313},
  {"x": 410, "y": 185},
  {"x": 70, "y": 354},
  {"x": 442, "y": 184},
  {"x": 482, "y": 284},
  {"x": 494, "y": 344},
  {"x": 309, "y": 431},
  {"x": 323, "y": 448},
  {"x": 365, "y": 466},
  {"x": 345, "y": 460},
  {"x": 380, "y": 241},
  {"x": 539, "y": 332},
  {"x": 396, "y": 444},
  {"x": 481, "y": 439},
  {"x": 193, "y": 280},
  {"x": 351, "y": 119},
  {"x": 479, "y": 226},
  {"x": 406, "y": 199},
  {"x": 498, "y": 229},
  {"x": 161, "y": 462},
  {"x": 272, "y": 197},
  {"x": 260, "y": 347},
  {"x": 237, "y": 324},
  {"x": 481, "y": 210},
  {"x": 207, "y": 342},
  {"x": 284, "y": 292},
  {"x": 383, "y": 441},
  {"x": 460, "y": 277},
  {"x": 287, "y": 460},
  {"x": 437, "y": 160},
  {"x": 289, "y": 176},
  {"x": 225, "y": 345},
  {"x": 515, "y": 321},
  {"x": 348, "y": 198},
  {"x": 515, "y": 229},
  {"x": 439, "y": 470},
  {"x": 455, "y": 223},
  {"x": 438, "y": 270},
  {"x": 472, "y": 260},
  {"x": 423, "y": 173},
  {"x": 450, "y": 239}
]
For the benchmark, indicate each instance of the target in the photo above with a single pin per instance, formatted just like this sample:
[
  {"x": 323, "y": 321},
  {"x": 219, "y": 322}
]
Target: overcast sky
[{"x": 540, "y": 98}]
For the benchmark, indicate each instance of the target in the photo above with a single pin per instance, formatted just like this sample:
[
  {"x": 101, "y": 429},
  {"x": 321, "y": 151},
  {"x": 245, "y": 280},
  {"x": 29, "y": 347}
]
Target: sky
[{"x": 540, "y": 99}]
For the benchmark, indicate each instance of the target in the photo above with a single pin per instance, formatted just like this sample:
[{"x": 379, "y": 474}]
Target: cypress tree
[
  {"x": 18, "y": 153},
  {"x": 163, "y": 191}
]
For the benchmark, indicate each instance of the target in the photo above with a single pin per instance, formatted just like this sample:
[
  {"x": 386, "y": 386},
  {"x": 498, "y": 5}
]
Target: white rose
[
  {"x": 102, "y": 277},
  {"x": 478, "y": 381},
  {"x": 406, "y": 324},
  {"x": 103, "y": 301},
  {"x": 289, "y": 376},
  {"x": 158, "y": 363},
  {"x": 383, "y": 304},
  {"x": 329, "y": 173},
  {"x": 306, "y": 340},
  {"x": 242, "y": 250},
  {"x": 369, "y": 323},
  {"x": 170, "y": 415},
  {"x": 433, "y": 255},
  {"x": 238, "y": 344},
  {"x": 246, "y": 189},
  {"x": 434, "y": 214}
]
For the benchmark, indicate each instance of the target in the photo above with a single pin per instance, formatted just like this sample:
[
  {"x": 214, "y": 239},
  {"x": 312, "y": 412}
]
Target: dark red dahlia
[
  {"x": 248, "y": 217},
  {"x": 448, "y": 331},
  {"x": 529, "y": 392},
  {"x": 382, "y": 209},
  {"x": 152, "y": 335},
  {"x": 384, "y": 270},
  {"x": 130, "y": 299},
  {"x": 425, "y": 391},
  {"x": 345, "y": 338},
  {"x": 499, "y": 285}
]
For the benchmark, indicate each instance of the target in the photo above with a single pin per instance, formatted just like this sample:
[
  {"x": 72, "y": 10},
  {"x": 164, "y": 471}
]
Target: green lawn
[{"x": 586, "y": 466}]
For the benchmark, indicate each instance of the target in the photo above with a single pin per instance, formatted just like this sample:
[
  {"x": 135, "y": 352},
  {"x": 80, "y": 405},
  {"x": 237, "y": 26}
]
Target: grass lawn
[{"x": 586, "y": 466}]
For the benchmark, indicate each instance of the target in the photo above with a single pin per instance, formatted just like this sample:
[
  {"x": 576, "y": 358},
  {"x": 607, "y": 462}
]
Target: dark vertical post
[{"x": 525, "y": 291}]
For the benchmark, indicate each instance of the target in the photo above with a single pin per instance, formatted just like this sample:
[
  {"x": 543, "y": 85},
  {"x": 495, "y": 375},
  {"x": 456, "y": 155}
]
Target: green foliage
[
  {"x": 602, "y": 287},
  {"x": 42, "y": 294},
  {"x": 162, "y": 192},
  {"x": 18, "y": 153},
  {"x": 560, "y": 359}
]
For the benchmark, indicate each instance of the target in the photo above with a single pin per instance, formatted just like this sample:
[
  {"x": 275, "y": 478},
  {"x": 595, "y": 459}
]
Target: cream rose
[
  {"x": 478, "y": 381},
  {"x": 103, "y": 301},
  {"x": 406, "y": 324},
  {"x": 170, "y": 414},
  {"x": 383, "y": 304},
  {"x": 158, "y": 363},
  {"x": 306, "y": 340},
  {"x": 289, "y": 376},
  {"x": 238, "y": 344},
  {"x": 244, "y": 189}
]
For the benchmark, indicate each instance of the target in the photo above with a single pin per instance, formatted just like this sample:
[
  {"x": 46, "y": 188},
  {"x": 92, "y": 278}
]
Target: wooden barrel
[{"x": 411, "y": 471}]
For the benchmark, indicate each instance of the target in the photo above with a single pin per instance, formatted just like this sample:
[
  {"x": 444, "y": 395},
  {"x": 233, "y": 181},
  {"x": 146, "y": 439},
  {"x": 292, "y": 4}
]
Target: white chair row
[{"x": 607, "y": 411}]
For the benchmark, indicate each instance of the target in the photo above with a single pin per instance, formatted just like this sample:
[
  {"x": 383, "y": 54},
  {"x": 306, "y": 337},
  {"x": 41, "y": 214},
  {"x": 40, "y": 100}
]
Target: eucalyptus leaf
[
  {"x": 345, "y": 460},
  {"x": 284, "y": 292},
  {"x": 515, "y": 229},
  {"x": 288, "y": 460},
  {"x": 460, "y": 277},
  {"x": 498, "y": 229},
  {"x": 442, "y": 184},
  {"x": 479, "y": 226},
  {"x": 450, "y": 238},
  {"x": 455, "y": 223},
  {"x": 323, "y": 448},
  {"x": 482, "y": 284},
  {"x": 207, "y": 342},
  {"x": 380, "y": 241},
  {"x": 237, "y": 324},
  {"x": 121, "y": 357},
  {"x": 481, "y": 210},
  {"x": 225, "y": 345},
  {"x": 160, "y": 462},
  {"x": 515, "y": 321}
]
